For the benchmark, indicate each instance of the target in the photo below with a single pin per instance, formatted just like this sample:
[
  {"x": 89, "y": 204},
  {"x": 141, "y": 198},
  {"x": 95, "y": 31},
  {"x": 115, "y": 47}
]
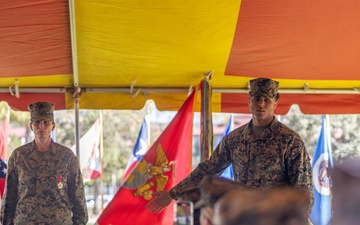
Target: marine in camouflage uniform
[
  {"x": 275, "y": 158},
  {"x": 264, "y": 153},
  {"x": 43, "y": 187}
]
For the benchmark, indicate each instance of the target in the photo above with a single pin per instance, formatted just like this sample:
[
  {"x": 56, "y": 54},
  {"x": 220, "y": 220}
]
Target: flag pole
[
  {"x": 101, "y": 160},
  {"x": 147, "y": 119},
  {"x": 76, "y": 96},
  {"x": 328, "y": 139}
]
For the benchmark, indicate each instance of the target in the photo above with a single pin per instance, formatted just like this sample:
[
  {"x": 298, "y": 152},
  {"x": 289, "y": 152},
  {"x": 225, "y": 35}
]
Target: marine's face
[
  {"x": 262, "y": 109},
  {"x": 42, "y": 127}
]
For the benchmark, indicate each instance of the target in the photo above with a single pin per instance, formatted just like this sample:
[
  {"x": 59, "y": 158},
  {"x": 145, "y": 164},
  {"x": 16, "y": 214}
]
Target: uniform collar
[
  {"x": 266, "y": 135},
  {"x": 32, "y": 154}
]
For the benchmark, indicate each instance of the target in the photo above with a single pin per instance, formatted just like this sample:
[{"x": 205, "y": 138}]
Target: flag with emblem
[
  {"x": 228, "y": 172},
  {"x": 89, "y": 152},
  {"x": 321, "y": 163},
  {"x": 166, "y": 163},
  {"x": 4, "y": 134},
  {"x": 140, "y": 148}
]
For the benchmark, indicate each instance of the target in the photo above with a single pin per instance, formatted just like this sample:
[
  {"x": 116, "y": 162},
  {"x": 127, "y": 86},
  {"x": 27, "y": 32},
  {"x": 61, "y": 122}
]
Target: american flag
[
  {"x": 140, "y": 148},
  {"x": 3, "y": 171}
]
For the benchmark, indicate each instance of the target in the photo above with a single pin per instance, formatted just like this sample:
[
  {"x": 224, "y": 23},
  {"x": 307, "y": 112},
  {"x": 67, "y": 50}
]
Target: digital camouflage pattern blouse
[
  {"x": 44, "y": 187},
  {"x": 277, "y": 157}
]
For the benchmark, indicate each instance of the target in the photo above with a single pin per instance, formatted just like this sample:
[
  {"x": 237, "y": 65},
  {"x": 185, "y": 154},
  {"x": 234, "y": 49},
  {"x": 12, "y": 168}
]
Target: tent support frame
[{"x": 146, "y": 90}]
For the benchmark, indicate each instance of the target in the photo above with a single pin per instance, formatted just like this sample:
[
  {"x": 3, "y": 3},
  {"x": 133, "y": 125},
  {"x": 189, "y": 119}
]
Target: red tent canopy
[{"x": 121, "y": 53}]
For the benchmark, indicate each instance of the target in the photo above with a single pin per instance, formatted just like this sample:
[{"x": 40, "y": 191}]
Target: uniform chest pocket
[
  {"x": 27, "y": 182},
  {"x": 240, "y": 159}
]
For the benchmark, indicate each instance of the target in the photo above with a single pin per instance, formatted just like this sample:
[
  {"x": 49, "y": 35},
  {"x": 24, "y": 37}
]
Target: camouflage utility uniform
[
  {"x": 277, "y": 157},
  {"x": 44, "y": 188}
]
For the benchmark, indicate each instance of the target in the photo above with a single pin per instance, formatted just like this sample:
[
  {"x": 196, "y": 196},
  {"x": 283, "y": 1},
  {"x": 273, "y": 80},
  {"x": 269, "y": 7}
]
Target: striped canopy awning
[{"x": 117, "y": 54}]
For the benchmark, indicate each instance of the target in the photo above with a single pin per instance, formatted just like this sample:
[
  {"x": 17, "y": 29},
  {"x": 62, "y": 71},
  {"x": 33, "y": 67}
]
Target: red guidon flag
[{"x": 165, "y": 164}]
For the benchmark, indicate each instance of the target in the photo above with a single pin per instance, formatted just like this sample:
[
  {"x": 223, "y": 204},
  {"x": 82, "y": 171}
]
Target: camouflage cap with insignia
[
  {"x": 212, "y": 188},
  {"x": 41, "y": 110},
  {"x": 264, "y": 87}
]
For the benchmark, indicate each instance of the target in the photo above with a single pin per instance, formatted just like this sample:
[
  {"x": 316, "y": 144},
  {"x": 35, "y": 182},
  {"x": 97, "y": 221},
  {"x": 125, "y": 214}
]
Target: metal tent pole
[{"x": 206, "y": 139}]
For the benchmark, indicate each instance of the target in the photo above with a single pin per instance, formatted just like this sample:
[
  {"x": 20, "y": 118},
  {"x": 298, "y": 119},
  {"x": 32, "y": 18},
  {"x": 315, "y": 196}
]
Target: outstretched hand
[{"x": 161, "y": 200}]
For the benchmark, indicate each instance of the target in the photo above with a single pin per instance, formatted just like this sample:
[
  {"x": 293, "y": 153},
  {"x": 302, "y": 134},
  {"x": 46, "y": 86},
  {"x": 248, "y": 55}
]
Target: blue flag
[
  {"x": 140, "y": 148},
  {"x": 53, "y": 133},
  {"x": 228, "y": 172},
  {"x": 321, "y": 162}
]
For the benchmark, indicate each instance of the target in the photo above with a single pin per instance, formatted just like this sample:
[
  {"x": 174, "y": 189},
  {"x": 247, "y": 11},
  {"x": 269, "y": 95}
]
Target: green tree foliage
[
  {"x": 18, "y": 119},
  {"x": 345, "y": 136},
  {"x": 344, "y": 131}
]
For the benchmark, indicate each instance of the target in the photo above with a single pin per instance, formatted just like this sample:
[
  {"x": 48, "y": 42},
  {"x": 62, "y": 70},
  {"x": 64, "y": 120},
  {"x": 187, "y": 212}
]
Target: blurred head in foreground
[
  {"x": 209, "y": 190},
  {"x": 285, "y": 206},
  {"x": 346, "y": 192}
]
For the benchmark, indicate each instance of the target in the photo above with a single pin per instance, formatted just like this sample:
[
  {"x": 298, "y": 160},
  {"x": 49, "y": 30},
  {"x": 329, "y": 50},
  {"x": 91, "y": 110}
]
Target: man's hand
[{"x": 161, "y": 200}]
